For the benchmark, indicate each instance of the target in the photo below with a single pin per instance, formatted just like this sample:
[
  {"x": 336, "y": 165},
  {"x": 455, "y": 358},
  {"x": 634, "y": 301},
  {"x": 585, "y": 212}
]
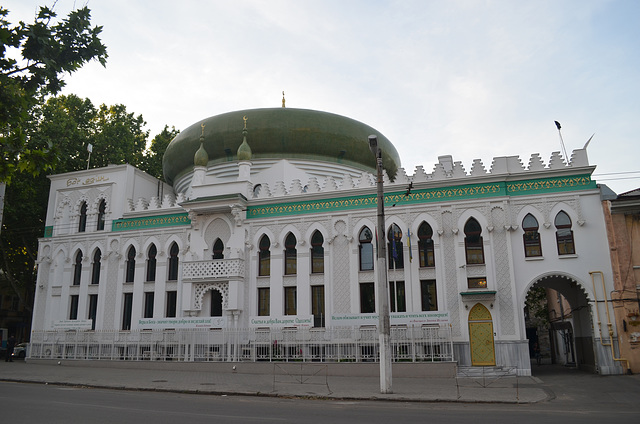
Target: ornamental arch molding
[{"x": 200, "y": 289}]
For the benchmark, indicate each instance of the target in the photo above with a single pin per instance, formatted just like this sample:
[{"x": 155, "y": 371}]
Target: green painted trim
[
  {"x": 475, "y": 191},
  {"x": 150, "y": 222},
  {"x": 48, "y": 231},
  {"x": 550, "y": 185}
]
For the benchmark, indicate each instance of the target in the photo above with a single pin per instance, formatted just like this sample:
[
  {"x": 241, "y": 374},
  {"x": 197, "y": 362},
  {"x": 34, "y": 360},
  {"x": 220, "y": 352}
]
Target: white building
[{"x": 268, "y": 222}]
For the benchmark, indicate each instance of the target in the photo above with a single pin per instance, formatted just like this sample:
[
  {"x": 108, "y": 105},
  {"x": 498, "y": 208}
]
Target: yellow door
[{"x": 481, "y": 336}]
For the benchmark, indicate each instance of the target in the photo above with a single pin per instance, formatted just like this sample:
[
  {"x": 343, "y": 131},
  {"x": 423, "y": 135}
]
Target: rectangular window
[
  {"x": 126, "y": 311},
  {"x": 148, "y": 305},
  {"x": 172, "y": 302},
  {"x": 532, "y": 245},
  {"x": 477, "y": 283},
  {"x": 290, "y": 262},
  {"x": 317, "y": 305},
  {"x": 73, "y": 307},
  {"x": 367, "y": 298},
  {"x": 93, "y": 309},
  {"x": 397, "y": 296},
  {"x": 263, "y": 301},
  {"x": 290, "y": 300},
  {"x": 317, "y": 260},
  {"x": 429, "y": 295},
  {"x": 264, "y": 263}
]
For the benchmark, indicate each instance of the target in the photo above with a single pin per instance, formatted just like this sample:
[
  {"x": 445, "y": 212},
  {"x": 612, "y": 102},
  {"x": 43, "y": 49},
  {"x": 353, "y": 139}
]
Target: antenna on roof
[{"x": 564, "y": 151}]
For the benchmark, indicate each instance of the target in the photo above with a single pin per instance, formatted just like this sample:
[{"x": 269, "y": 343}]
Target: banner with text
[
  {"x": 283, "y": 321},
  {"x": 72, "y": 324},
  {"x": 397, "y": 318},
  {"x": 185, "y": 322}
]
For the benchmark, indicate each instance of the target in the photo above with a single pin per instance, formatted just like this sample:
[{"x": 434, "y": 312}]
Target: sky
[{"x": 470, "y": 79}]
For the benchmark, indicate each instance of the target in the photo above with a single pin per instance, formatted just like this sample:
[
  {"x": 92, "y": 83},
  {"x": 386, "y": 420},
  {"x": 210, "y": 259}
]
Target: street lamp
[{"x": 384, "y": 327}]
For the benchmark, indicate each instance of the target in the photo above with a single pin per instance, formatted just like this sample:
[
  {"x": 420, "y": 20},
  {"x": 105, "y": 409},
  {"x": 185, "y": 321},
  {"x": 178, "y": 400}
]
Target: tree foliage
[
  {"x": 69, "y": 124},
  {"x": 152, "y": 162},
  {"x": 48, "y": 49}
]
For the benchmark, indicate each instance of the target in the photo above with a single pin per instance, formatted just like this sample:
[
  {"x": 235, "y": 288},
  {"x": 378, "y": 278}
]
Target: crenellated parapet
[
  {"x": 446, "y": 170},
  {"x": 155, "y": 204}
]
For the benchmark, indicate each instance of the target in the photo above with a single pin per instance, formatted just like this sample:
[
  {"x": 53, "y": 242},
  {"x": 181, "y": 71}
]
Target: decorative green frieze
[
  {"x": 550, "y": 185},
  {"x": 475, "y": 191},
  {"x": 48, "y": 231},
  {"x": 150, "y": 222}
]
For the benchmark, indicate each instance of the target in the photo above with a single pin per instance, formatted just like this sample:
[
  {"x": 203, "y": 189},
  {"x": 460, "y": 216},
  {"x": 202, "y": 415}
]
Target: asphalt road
[{"x": 40, "y": 403}]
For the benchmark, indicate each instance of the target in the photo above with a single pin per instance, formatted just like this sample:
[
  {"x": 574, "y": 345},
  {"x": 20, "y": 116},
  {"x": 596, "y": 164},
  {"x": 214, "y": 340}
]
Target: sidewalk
[{"x": 200, "y": 378}]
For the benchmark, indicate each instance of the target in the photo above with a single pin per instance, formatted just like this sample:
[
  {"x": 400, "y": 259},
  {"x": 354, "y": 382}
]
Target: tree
[
  {"x": 49, "y": 49},
  {"x": 69, "y": 124},
  {"x": 152, "y": 162}
]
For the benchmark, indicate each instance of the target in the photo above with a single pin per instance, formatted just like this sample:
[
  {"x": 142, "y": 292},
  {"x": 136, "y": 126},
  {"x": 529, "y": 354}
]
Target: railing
[
  {"x": 216, "y": 268},
  {"x": 338, "y": 344}
]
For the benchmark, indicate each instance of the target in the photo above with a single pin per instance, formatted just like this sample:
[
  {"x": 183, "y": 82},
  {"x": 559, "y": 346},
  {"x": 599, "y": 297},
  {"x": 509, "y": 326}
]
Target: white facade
[{"x": 222, "y": 202}]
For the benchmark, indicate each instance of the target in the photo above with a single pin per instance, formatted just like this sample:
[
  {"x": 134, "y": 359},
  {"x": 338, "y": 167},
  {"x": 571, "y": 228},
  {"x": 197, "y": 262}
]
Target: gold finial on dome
[
  {"x": 244, "y": 118},
  {"x": 283, "y": 99}
]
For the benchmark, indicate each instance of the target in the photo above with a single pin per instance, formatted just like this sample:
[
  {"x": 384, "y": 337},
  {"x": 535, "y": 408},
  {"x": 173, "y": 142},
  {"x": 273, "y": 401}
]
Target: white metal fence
[{"x": 338, "y": 344}]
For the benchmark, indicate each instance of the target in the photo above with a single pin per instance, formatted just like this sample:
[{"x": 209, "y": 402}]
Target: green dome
[{"x": 279, "y": 133}]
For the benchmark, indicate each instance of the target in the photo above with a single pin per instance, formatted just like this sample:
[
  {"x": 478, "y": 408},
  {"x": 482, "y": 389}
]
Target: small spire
[
  {"x": 244, "y": 151},
  {"x": 201, "y": 158},
  {"x": 283, "y": 99}
]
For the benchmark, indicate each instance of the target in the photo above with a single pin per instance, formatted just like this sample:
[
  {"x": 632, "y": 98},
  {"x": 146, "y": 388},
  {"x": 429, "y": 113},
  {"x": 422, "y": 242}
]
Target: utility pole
[{"x": 384, "y": 326}]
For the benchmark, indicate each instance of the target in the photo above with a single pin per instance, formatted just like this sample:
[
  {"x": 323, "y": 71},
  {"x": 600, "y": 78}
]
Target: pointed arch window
[
  {"x": 366, "y": 249},
  {"x": 82, "y": 224},
  {"x": 564, "y": 234},
  {"x": 151, "y": 263},
  {"x": 218, "y": 249},
  {"x": 317, "y": 253},
  {"x": 77, "y": 269},
  {"x": 425, "y": 246},
  {"x": 264, "y": 256},
  {"x": 531, "y": 237},
  {"x": 290, "y": 255},
  {"x": 95, "y": 267},
  {"x": 173, "y": 261},
  {"x": 102, "y": 207},
  {"x": 131, "y": 265},
  {"x": 473, "y": 245},
  {"x": 396, "y": 257}
]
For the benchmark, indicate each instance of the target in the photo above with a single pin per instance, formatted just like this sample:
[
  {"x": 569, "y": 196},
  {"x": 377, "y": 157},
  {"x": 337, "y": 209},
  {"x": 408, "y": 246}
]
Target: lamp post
[{"x": 384, "y": 327}]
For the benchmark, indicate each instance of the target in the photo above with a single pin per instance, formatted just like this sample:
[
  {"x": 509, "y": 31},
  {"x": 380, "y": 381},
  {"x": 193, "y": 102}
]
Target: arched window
[
  {"x": 531, "y": 237},
  {"x": 564, "y": 234},
  {"x": 131, "y": 265},
  {"x": 77, "y": 269},
  {"x": 396, "y": 257},
  {"x": 173, "y": 261},
  {"x": 425, "y": 245},
  {"x": 151, "y": 263},
  {"x": 366, "y": 249},
  {"x": 474, "y": 248},
  {"x": 218, "y": 249},
  {"x": 290, "y": 255},
  {"x": 82, "y": 225},
  {"x": 264, "y": 256},
  {"x": 95, "y": 267},
  {"x": 317, "y": 253},
  {"x": 101, "y": 211}
]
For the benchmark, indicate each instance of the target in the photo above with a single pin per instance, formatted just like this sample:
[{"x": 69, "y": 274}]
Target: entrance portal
[{"x": 483, "y": 351}]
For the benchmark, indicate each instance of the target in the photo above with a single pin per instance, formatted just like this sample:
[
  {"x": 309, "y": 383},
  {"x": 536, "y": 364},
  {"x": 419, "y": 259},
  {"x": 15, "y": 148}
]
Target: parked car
[{"x": 21, "y": 350}]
